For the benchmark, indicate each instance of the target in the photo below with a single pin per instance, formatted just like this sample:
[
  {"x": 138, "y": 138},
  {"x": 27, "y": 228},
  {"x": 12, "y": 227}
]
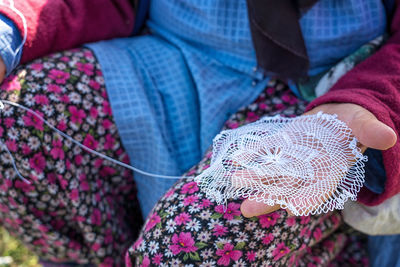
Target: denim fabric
[
  {"x": 383, "y": 251},
  {"x": 10, "y": 40},
  {"x": 334, "y": 29},
  {"x": 141, "y": 15},
  {"x": 375, "y": 174}
]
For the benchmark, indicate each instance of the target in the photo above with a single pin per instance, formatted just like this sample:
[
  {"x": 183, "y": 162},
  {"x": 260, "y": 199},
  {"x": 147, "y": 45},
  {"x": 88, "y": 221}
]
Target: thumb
[
  {"x": 250, "y": 208},
  {"x": 370, "y": 132}
]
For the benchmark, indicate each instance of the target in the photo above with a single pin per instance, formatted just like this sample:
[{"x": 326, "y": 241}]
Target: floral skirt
[
  {"x": 187, "y": 229},
  {"x": 81, "y": 209},
  {"x": 77, "y": 207}
]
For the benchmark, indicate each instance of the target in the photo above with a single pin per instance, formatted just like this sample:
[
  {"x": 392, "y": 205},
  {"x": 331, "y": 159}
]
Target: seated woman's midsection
[{"x": 332, "y": 29}]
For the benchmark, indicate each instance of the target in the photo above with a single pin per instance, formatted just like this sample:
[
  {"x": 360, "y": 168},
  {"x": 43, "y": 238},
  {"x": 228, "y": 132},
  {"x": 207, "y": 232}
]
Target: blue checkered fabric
[
  {"x": 172, "y": 90},
  {"x": 333, "y": 29}
]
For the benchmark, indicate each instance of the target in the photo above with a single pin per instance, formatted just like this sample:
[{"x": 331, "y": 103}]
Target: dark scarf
[{"x": 277, "y": 36}]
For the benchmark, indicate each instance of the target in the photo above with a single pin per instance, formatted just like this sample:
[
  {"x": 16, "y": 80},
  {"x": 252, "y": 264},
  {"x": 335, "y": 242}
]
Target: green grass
[{"x": 12, "y": 250}]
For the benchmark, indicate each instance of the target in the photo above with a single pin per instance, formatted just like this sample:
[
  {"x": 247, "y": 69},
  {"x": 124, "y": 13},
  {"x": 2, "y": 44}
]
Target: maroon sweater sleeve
[
  {"x": 54, "y": 25},
  {"x": 375, "y": 85}
]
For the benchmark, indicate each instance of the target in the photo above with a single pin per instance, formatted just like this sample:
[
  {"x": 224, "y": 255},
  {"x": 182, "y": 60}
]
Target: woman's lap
[
  {"x": 201, "y": 233},
  {"x": 186, "y": 228},
  {"x": 78, "y": 207},
  {"x": 84, "y": 209}
]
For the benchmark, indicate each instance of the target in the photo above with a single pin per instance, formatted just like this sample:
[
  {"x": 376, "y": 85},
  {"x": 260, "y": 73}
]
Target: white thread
[
  {"x": 229, "y": 158},
  {"x": 82, "y": 146},
  {"x": 13, "y": 163},
  {"x": 308, "y": 164},
  {"x": 20, "y": 14}
]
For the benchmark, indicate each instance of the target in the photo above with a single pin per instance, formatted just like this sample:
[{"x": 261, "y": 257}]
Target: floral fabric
[
  {"x": 78, "y": 207},
  {"x": 187, "y": 229}
]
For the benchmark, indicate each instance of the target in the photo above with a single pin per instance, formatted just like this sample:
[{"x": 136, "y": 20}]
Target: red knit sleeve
[
  {"x": 375, "y": 85},
  {"x": 54, "y": 25}
]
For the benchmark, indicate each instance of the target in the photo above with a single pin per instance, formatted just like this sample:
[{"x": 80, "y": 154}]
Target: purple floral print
[
  {"x": 187, "y": 229},
  {"x": 78, "y": 208}
]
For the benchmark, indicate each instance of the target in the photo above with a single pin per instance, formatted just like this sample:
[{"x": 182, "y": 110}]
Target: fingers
[
  {"x": 369, "y": 131},
  {"x": 251, "y": 208},
  {"x": 290, "y": 213},
  {"x": 297, "y": 193},
  {"x": 298, "y": 197},
  {"x": 372, "y": 133}
]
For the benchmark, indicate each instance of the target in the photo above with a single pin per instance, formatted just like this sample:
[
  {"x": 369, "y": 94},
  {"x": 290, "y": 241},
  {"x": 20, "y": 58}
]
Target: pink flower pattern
[
  {"x": 38, "y": 162},
  {"x": 190, "y": 188},
  {"x": 87, "y": 68},
  {"x": 59, "y": 76},
  {"x": 94, "y": 222},
  {"x": 280, "y": 251},
  {"x": 230, "y": 212},
  {"x": 227, "y": 254},
  {"x": 153, "y": 220},
  {"x": 182, "y": 243},
  {"x": 57, "y": 151},
  {"x": 182, "y": 218},
  {"x": 223, "y": 236},
  {"x": 11, "y": 83},
  {"x": 77, "y": 115},
  {"x": 268, "y": 238},
  {"x": 268, "y": 220},
  {"x": 220, "y": 230},
  {"x": 100, "y": 200},
  {"x": 30, "y": 119}
]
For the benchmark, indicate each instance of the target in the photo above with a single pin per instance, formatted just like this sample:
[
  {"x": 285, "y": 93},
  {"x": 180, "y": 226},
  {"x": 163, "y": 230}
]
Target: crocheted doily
[{"x": 309, "y": 164}]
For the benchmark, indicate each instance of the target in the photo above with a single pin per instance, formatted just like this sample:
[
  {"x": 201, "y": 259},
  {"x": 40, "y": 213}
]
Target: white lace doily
[{"x": 309, "y": 164}]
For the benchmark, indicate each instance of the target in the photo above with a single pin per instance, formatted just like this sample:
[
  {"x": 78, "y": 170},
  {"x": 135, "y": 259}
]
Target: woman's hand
[{"x": 365, "y": 126}]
